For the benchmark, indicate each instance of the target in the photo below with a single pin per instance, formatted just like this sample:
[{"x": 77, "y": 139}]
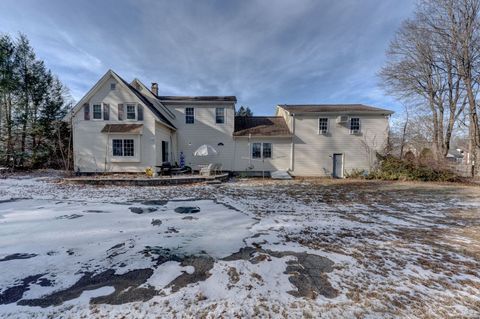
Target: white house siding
[
  {"x": 313, "y": 153},
  {"x": 162, "y": 133},
  {"x": 92, "y": 153},
  {"x": 280, "y": 154},
  {"x": 286, "y": 115},
  {"x": 204, "y": 131}
]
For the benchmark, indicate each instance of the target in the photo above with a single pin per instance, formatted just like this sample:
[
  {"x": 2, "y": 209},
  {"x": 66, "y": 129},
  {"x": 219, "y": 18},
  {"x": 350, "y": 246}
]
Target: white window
[
  {"x": 97, "y": 111},
  {"x": 354, "y": 125},
  {"x": 123, "y": 147},
  {"x": 220, "y": 115},
  {"x": 131, "y": 111},
  {"x": 128, "y": 148},
  {"x": 257, "y": 150},
  {"x": 323, "y": 125},
  {"x": 262, "y": 150},
  {"x": 267, "y": 150},
  {"x": 117, "y": 147},
  {"x": 189, "y": 115}
]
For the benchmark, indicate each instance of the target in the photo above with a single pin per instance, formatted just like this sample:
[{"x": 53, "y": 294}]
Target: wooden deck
[{"x": 146, "y": 181}]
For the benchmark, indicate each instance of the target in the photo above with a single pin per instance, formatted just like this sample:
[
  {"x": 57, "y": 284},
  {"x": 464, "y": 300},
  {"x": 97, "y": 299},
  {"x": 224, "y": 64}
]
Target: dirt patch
[
  {"x": 306, "y": 272},
  {"x": 140, "y": 210},
  {"x": 73, "y": 216},
  {"x": 189, "y": 218},
  {"x": 17, "y": 256},
  {"x": 233, "y": 275},
  {"x": 156, "y": 222},
  {"x": 155, "y": 202},
  {"x": 15, "y": 293},
  {"x": 202, "y": 265},
  {"x": 96, "y": 211},
  {"x": 187, "y": 210},
  {"x": 126, "y": 289}
]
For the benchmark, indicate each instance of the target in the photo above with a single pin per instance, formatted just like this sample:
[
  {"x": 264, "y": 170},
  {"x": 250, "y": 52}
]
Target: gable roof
[
  {"x": 129, "y": 87},
  {"x": 334, "y": 108},
  {"x": 230, "y": 98},
  {"x": 142, "y": 88},
  {"x": 145, "y": 101},
  {"x": 260, "y": 126}
]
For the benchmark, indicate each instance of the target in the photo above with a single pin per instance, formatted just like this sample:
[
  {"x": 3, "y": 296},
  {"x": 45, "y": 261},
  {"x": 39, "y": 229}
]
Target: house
[{"x": 127, "y": 127}]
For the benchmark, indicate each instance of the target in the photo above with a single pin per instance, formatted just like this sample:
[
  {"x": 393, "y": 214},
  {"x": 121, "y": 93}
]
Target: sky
[{"x": 266, "y": 52}]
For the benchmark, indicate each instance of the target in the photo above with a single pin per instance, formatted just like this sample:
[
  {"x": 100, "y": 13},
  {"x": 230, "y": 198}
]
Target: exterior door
[
  {"x": 338, "y": 165},
  {"x": 164, "y": 151}
]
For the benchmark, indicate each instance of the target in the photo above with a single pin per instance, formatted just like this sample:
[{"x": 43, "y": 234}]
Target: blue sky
[{"x": 264, "y": 52}]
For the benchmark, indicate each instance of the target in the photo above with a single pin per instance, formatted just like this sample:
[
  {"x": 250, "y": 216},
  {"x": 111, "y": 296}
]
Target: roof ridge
[{"x": 258, "y": 116}]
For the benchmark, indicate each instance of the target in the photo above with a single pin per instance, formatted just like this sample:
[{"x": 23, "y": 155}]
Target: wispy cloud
[{"x": 265, "y": 52}]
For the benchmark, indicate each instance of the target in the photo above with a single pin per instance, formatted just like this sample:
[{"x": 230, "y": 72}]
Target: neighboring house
[{"x": 127, "y": 127}]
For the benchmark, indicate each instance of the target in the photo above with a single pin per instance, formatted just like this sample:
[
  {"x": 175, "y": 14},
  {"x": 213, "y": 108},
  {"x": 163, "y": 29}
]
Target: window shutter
[
  {"x": 120, "y": 112},
  {"x": 140, "y": 112},
  {"x": 86, "y": 111},
  {"x": 106, "y": 112}
]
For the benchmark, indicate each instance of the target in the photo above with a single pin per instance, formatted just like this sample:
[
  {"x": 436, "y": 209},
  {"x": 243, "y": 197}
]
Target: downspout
[{"x": 292, "y": 147}]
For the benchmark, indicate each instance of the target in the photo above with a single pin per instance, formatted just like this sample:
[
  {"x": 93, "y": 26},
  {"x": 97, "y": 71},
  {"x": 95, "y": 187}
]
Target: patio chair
[
  {"x": 217, "y": 169},
  {"x": 207, "y": 171}
]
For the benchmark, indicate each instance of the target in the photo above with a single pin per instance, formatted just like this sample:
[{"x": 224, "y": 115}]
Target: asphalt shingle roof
[
  {"x": 341, "y": 108},
  {"x": 260, "y": 126},
  {"x": 198, "y": 98}
]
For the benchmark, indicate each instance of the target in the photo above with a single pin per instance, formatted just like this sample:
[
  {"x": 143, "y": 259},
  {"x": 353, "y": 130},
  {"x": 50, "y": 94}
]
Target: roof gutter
[{"x": 292, "y": 146}]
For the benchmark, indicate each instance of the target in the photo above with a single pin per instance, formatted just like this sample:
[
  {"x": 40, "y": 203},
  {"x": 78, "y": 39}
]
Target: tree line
[
  {"x": 433, "y": 67},
  {"x": 32, "y": 103}
]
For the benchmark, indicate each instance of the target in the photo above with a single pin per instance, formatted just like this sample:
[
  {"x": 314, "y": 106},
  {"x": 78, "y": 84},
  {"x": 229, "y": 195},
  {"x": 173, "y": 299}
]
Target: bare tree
[
  {"x": 456, "y": 24},
  {"x": 423, "y": 67}
]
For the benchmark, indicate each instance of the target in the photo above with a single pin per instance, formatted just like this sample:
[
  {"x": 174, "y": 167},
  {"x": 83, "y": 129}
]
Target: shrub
[
  {"x": 392, "y": 168},
  {"x": 356, "y": 173}
]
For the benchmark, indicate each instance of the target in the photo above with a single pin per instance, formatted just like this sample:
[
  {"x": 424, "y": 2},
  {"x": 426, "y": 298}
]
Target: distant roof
[
  {"x": 149, "y": 104},
  {"x": 260, "y": 126},
  {"x": 123, "y": 128},
  {"x": 198, "y": 98},
  {"x": 315, "y": 108}
]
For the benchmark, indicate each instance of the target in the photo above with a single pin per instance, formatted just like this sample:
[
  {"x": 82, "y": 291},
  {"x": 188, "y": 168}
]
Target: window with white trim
[
  {"x": 117, "y": 147},
  {"x": 123, "y": 147},
  {"x": 323, "y": 125},
  {"x": 131, "y": 111},
  {"x": 267, "y": 150},
  {"x": 354, "y": 125},
  {"x": 220, "y": 115},
  {"x": 97, "y": 112},
  {"x": 189, "y": 115},
  {"x": 261, "y": 150}
]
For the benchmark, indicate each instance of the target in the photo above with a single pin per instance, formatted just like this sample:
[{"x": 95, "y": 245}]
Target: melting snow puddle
[{"x": 65, "y": 242}]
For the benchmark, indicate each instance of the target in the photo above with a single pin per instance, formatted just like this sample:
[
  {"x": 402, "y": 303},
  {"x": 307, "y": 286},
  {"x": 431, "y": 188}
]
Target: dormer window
[
  {"x": 131, "y": 111},
  {"x": 113, "y": 86}
]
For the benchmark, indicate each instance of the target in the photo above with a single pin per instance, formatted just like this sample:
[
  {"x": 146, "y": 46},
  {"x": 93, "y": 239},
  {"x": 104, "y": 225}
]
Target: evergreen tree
[
  {"x": 32, "y": 104},
  {"x": 244, "y": 111}
]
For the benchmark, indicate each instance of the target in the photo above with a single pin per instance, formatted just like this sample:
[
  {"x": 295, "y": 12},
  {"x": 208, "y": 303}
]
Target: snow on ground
[{"x": 301, "y": 248}]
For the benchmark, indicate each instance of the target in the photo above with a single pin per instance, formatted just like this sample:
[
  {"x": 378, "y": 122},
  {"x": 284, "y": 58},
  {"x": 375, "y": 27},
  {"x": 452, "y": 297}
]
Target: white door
[{"x": 338, "y": 165}]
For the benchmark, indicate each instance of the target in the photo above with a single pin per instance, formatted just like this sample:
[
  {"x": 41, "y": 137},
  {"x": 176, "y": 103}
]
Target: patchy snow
[{"x": 398, "y": 249}]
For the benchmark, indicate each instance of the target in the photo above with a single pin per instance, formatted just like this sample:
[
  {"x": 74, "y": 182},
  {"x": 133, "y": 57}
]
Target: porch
[{"x": 138, "y": 180}]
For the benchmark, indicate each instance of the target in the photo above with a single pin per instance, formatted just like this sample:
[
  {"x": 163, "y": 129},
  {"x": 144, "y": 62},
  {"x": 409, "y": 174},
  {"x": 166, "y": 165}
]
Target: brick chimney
[{"x": 155, "y": 88}]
